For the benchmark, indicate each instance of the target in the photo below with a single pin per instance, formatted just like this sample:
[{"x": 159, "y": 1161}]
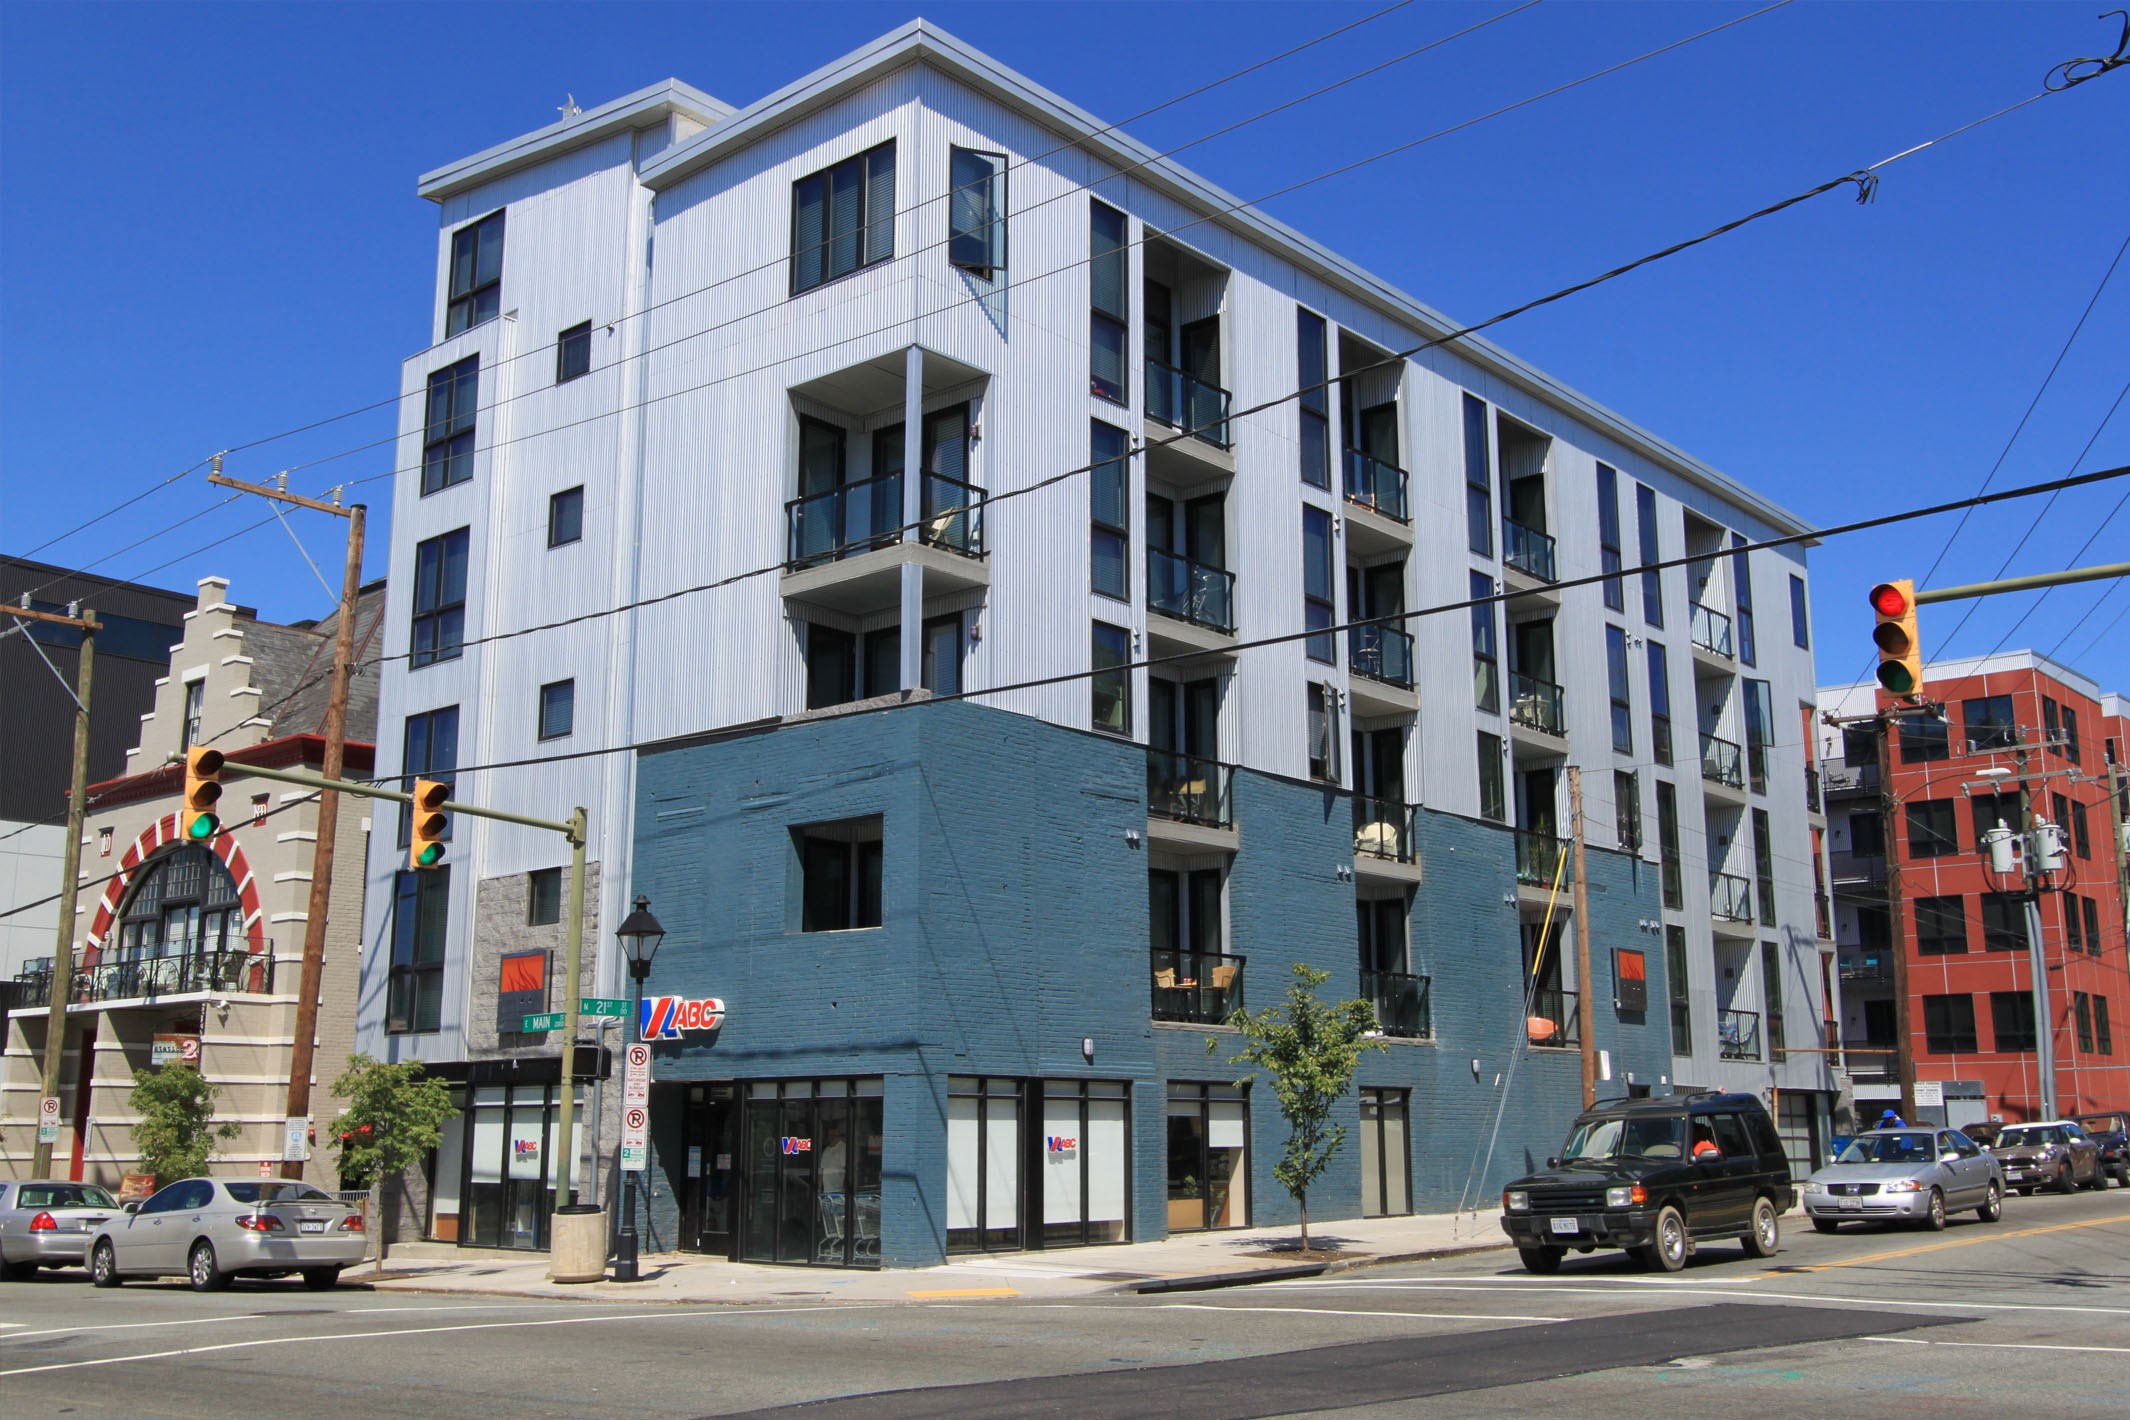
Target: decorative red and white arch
[{"x": 165, "y": 831}]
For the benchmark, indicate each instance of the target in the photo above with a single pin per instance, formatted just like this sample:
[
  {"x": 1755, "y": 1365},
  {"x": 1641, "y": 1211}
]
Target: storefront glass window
[
  {"x": 1085, "y": 1152},
  {"x": 1386, "y": 1160},
  {"x": 1208, "y": 1157},
  {"x": 812, "y": 1188}
]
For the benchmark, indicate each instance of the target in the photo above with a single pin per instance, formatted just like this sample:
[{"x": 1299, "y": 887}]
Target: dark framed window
[
  {"x": 1659, "y": 703},
  {"x": 1110, "y": 302},
  {"x": 1109, "y": 484},
  {"x": 1671, "y": 881},
  {"x": 447, "y": 440},
  {"x": 1493, "y": 796},
  {"x": 1800, "y": 614},
  {"x": 182, "y": 904},
  {"x": 2003, "y": 923},
  {"x": 1486, "y": 661},
  {"x": 1675, "y": 983},
  {"x": 1318, "y": 614},
  {"x": 1924, "y": 738},
  {"x": 565, "y": 516},
  {"x": 2092, "y": 916},
  {"x": 1312, "y": 374},
  {"x": 1618, "y": 685},
  {"x": 841, "y": 868},
  {"x": 2070, "y": 734},
  {"x": 976, "y": 211},
  {"x": 543, "y": 897},
  {"x": 2083, "y": 845},
  {"x": 1867, "y": 834},
  {"x": 2074, "y": 936},
  {"x": 2103, "y": 1032},
  {"x": 195, "y": 713},
  {"x": 439, "y": 629},
  {"x": 1759, "y": 732},
  {"x": 843, "y": 218},
  {"x": 1949, "y": 1024},
  {"x": 573, "y": 353},
  {"x": 2082, "y": 1013},
  {"x": 1991, "y": 723},
  {"x": 1645, "y": 517},
  {"x": 558, "y": 709},
  {"x": 1478, "y": 479},
  {"x": 476, "y": 275},
  {"x": 1764, "y": 864},
  {"x": 2051, "y": 726},
  {"x": 1608, "y": 523},
  {"x": 1742, "y": 577},
  {"x": 429, "y": 751},
  {"x": 1627, "y": 810},
  {"x": 1860, "y": 745},
  {"x": 2011, "y": 1017},
  {"x": 939, "y": 669},
  {"x": 1989, "y": 810},
  {"x": 1112, "y": 681},
  {"x": 1323, "y": 720},
  {"x": 831, "y": 667},
  {"x": 421, "y": 915},
  {"x": 1931, "y": 831},
  {"x": 1941, "y": 926}
]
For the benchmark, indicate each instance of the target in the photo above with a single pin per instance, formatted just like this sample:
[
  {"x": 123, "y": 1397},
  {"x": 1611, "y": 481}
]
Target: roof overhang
[{"x": 631, "y": 111}]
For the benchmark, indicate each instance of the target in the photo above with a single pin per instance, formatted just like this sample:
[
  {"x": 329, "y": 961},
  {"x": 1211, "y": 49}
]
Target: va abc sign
[{"x": 665, "y": 1017}]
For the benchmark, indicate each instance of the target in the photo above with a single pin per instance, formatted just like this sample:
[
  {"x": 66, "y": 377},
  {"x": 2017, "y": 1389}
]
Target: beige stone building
[{"x": 192, "y": 954}]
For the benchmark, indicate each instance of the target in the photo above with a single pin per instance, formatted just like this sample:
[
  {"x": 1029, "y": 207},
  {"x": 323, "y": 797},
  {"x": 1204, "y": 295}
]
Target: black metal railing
[
  {"x": 152, "y": 978},
  {"x": 1871, "y": 966},
  {"x": 1196, "y": 592},
  {"x": 1838, "y": 779},
  {"x": 1376, "y": 485},
  {"x": 859, "y": 517},
  {"x": 1203, "y": 988},
  {"x": 1730, "y": 897},
  {"x": 1554, "y": 1023},
  {"x": 1738, "y": 1035},
  {"x": 1401, "y": 1002},
  {"x": 1188, "y": 789},
  {"x": 1527, "y": 550},
  {"x": 1538, "y": 858},
  {"x": 1186, "y": 402},
  {"x": 1722, "y": 761},
  {"x": 1813, "y": 803},
  {"x": 1381, "y": 653},
  {"x": 1536, "y": 704},
  {"x": 1711, "y": 630},
  {"x": 1383, "y": 828},
  {"x": 1857, "y": 867}
]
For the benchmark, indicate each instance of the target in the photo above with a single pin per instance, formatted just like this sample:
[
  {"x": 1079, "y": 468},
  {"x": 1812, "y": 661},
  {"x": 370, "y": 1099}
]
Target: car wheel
[
  {"x": 1543, "y": 1260},
  {"x": 1826, "y": 1225},
  {"x": 202, "y": 1270},
  {"x": 325, "y": 1279},
  {"x": 1992, "y": 1203},
  {"x": 103, "y": 1266},
  {"x": 2100, "y": 1180},
  {"x": 1667, "y": 1250},
  {"x": 1764, "y": 1239},
  {"x": 1934, "y": 1219},
  {"x": 2064, "y": 1183}
]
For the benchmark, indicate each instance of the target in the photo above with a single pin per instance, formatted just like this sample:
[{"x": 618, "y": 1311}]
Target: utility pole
[
  {"x": 2115, "y": 838},
  {"x": 2037, "y": 957},
  {"x": 55, "y": 1021},
  {"x": 301, "y": 1057},
  {"x": 1585, "y": 1007},
  {"x": 1904, "y": 1060}
]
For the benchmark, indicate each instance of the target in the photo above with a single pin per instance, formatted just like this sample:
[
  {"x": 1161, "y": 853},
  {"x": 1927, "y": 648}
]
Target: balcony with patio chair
[
  {"x": 1196, "y": 988},
  {"x": 1385, "y": 839}
]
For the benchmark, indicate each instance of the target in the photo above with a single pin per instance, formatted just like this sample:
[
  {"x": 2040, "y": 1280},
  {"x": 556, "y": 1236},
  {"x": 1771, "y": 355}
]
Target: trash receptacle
[{"x": 577, "y": 1251}]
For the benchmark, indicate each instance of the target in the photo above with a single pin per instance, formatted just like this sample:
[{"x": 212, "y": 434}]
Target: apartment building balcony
[
  {"x": 1196, "y": 988},
  {"x": 1730, "y": 905},
  {"x": 1539, "y": 857},
  {"x": 845, "y": 547},
  {"x": 1722, "y": 769},
  {"x": 1192, "y": 605},
  {"x": 1385, "y": 843},
  {"x": 1381, "y": 659},
  {"x": 150, "y": 981},
  {"x": 1401, "y": 1002},
  {"x": 1872, "y": 968},
  {"x": 1842, "y": 782},
  {"x": 1815, "y": 805},
  {"x": 1871, "y": 1061},
  {"x": 1538, "y": 720},
  {"x": 1738, "y": 1035},
  {"x": 1378, "y": 512},
  {"x": 1198, "y": 410},
  {"x": 1554, "y": 1023},
  {"x": 1858, "y": 868},
  {"x": 1710, "y": 631},
  {"x": 1190, "y": 801},
  {"x": 1529, "y": 566}
]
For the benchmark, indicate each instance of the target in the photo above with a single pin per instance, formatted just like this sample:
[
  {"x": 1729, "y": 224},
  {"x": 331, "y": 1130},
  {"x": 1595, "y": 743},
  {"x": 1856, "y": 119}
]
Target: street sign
[
  {"x": 1931, "y": 1092},
  {"x": 547, "y": 1021},
  {"x": 611, "y": 1008},
  {"x": 266, "y": 1169},
  {"x": 48, "y": 1120},
  {"x": 296, "y": 1138},
  {"x": 636, "y": 1108}
]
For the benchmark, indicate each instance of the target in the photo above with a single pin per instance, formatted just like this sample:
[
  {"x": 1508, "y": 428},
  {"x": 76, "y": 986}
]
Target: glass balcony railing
[
  {"x": 1711, "y": 630},
  {"x": 1383, "y": 828},
  {"x": 1188, "y": 403},
  {"x": 1857, "y": 867},
  {"x": 1868, "y": 966},
  {"x": 151, "y": 978},
  {"x": 1401, "y": 1003},
  {"x": 1738, "y": 1034},
  {"x": 1201, "y": 988},
  {"x": 951, "y": 515},
  {"x": 1188, "y": 789},
  {"x": 1381, "y": 653},
  {"x": 1538, "y": 858},
  {"x": 843, "y": 522},
  {"x": 1730, "y": 897},
  {"x": 1190, "y": 591},
  {"x": 1536, "y": 704},
  {"x": 1553, "y": 1023},
  {"x": 1528, "y": 550},
  {"x": 1376, "y": 485},
  {"x": 1722, "y": 762}
]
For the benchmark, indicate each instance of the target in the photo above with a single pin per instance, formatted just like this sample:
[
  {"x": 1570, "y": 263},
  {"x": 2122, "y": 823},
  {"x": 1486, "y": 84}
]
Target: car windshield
[
  {"x": 1889, "y": 1149},
  {"x": 65, "y": 1195},
  {"x": 2030, "y": 1136},
  {"x": 1656, "y": 1137},
  {"x": 276, "y": 1193}
]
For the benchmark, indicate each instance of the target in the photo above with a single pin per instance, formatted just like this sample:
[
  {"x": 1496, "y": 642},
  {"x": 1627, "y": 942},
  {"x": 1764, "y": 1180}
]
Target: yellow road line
[
  {"x": 971, "y": 1292},
  {"x": 1991, "y": 1236}
]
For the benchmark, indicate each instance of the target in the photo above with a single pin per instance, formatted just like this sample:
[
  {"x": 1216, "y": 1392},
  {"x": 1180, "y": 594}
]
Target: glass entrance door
[
  {"x": 711, "y": 1204},
  {"x": 1208, "y": 1164},
  {"x": 810, "y": 1178}
]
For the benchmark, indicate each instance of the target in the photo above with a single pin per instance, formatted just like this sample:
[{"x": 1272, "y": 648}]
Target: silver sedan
[
  {"x": 212, "y": 1229},
  {"x": 1906, "y": 1175},
  {"x": 46, "y": 1222}
]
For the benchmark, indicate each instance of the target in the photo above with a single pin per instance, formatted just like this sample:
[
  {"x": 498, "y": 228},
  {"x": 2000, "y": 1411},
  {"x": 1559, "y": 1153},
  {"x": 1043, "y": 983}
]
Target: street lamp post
[{"x": 640, "y": 935}]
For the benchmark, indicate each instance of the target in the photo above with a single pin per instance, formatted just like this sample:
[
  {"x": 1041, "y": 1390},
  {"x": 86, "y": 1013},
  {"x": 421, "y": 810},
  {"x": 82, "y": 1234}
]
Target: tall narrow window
[
  {"x": 421, "y": 914},
  {"x": 1317, "y": 607},
  {"x": 1764, "y": 864},
  {"x": 1486, "y": 663},
  {"x": 1110, "y": 494},
  {"x": 1659, "y": 703},
  {"x": 447, "y": 443},
  {"x": 430, "y": 750},
  {"x": 1627, "y": 810},
  {"x": 976, "y": 211},
  {"x": 1608, "y": 522},
  {"x": 2070, "y": 734},
  {"x": 1759, "y": 731},
  {"x": 1800, "y": 614},
  {"x": 1478, "y": 479},
  {"x": 573, "y": 353},
  {"x": 1323, "y": 719},
  {"x": 1109, "y": 297},
  {"x": 940, "y": 667},
  {"x": 1112, "y": 680},
  {"x": 558, "y": 709},
  {"x": 1622, "y": 695},
  {"x": 1742, "y": 575},
  {"x": 1668, "y": 845},
  {"x": 565, "y": 516},
  {"x": 2082, "y": 1013},
  {"x": 1675, "y": 983},
  {"x": 1313, "y": 370},
  {"x": 1493, "y": 800},
  {"x": 195, "y": 712},
  {"x": 1645, "y": 517},
  {"x": 439, "y": 630},
  {"x": 476, "y": 275},
  {"x": 843, "y": 218}
]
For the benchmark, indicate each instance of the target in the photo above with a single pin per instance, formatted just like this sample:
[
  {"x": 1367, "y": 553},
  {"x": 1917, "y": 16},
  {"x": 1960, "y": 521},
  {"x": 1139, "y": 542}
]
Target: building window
[
  {"x": 1323, "y": 732},
  {"x": 1764, "y": 864},
  {"x": 1318, "y": 615},
  {"x": 1800, "y": 622},
  {"x": 1673, "y": 883},
  {"x": 1941, "y": 926},
  {"x": 2073, "y": 933},
  {"x": 439, "y": 629},
  {"x": 843, "y": 218},
  {"x": 976, "y": 211},
  {"x": 985, "y": 1150},
  {"x": 565, "y": 517},
  {"x": 2003, "y": 923},
  {"x": 2070, "y": 734},
  {"x": 1112, "y": 680},
  {"x": 1930, "y": 829},
  {"x": 430, "y": 750},
  {"x": 2079, "y": 830},
  {"x": 476, "y": 275},
  {"x": 841, "y": 865},
  {"x": 185, "y": 905},
  {"x": 1493, "y": 800},
  {"x": 195, "y": 712},
  {"x": 1109, "y": 297},
  {"x": 1991, "y": 810},
  {"x": 940, "y": 671},
  {"x": 1924, "y": 738},
  {"x": 1949, "y": 1024},
  {"x": 1617, "y": 683},
  {"x": 2011, "y": 1015},
  {"x": 2082, "y": 1012},
  {"x": 1742, "y": 576},
  {"x": 1627, "y": 810},
  {"x": 1682, "y": 1008},
  {"x": 558, "y": 709},
  {"x": 831, "y": 667},
  {"x": 1313, "y": 375},
  {"x": 1608, "y": 523},
  {"x": 1759, "y": 732},
  {"x": 447, "y": 444},
  {"x": 1386, "y": 1153},
  {"x": 2092, "y": 915},
  {"x": 1486, "y": 664},
  {"x": 1645, "y": 517},
  {"x": 1084, "y": 1190},
  {"x": 1659, "y": 703},
  {"x": 573, "y": 353},
  {"x": 1990, "y": 724},
  {"x": 543, "y": 897},
  {"x": 2103, "y": 1033},
  {"x": 1208, "y": 1158},
  {"x": 414, "y": 997},
  {"x": 1478, "y": 479},
  {"x": 1110, "y": 494}
]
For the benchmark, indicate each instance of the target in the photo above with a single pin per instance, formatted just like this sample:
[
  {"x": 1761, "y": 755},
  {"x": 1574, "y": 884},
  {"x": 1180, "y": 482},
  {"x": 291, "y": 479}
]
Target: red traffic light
[{"x": 1887, "y": 599}]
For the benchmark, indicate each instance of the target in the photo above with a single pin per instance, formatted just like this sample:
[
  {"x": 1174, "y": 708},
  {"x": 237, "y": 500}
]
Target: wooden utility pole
[
  {"x": 2122, "y": 853},
  {"x": 1904, "y": 1059},
  {"x": 301, "y": 1057},
  {"x": 1585, "y": 1006},
  {"x": 55, "y": 1020}
]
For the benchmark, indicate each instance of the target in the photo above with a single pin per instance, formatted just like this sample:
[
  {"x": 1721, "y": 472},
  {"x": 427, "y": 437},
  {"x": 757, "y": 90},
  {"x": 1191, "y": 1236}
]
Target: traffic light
[
  {"x": 1900, "y": 647},
  {"x": 425, "y": 848},
  {"x": 203, "y": 786}
]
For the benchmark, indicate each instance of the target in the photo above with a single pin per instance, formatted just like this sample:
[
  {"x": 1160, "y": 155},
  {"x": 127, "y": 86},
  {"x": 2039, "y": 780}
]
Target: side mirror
[
  {"x": 132, "y": 1205},
  {"x": 1553, "y": 1162}
]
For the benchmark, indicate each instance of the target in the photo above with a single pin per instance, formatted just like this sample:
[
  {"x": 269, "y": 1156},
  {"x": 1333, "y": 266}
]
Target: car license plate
[
  {"x": 1565, "y": 1225},
  {"x": 312, "y": 1227},
  {"x": 1852, "y": 1205}
]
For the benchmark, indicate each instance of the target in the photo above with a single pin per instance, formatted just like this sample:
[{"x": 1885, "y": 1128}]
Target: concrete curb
[{"x": 1205, "y": 1282}]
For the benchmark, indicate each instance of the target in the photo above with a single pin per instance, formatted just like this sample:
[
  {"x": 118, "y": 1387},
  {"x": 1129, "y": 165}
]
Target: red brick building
[{"x": 2020, "y": 733}]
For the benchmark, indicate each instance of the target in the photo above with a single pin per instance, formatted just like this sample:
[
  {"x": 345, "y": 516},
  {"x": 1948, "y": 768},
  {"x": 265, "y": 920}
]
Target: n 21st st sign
[{"x": 665, "y": 1017}]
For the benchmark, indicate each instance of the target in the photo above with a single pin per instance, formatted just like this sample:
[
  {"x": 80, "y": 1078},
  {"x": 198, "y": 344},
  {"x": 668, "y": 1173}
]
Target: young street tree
[
  {"x": 175, "y": 1131},
  {"x": 1311, "y": 1051},
  {"x": 395, "y": 1115}
]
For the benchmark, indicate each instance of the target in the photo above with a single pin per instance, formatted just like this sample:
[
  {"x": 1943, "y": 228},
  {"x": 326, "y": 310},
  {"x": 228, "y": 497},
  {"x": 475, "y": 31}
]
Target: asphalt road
[{"x": 2030, "y": 1316}]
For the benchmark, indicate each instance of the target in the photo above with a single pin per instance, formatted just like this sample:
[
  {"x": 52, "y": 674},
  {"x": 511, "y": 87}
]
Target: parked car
[
  {"x": 1906, "y": 1175},
  {"x": 212, "y": 1229},
  {"x": 2053, "y": 1153},
  {"x": 46, "y": 1222},
  {"x": 2111, "y": 1131},
  {"x": 1658, "y": 1177}
]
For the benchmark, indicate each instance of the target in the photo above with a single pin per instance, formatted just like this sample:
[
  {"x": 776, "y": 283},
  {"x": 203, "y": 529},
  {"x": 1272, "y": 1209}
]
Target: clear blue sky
[{"x": 211, "y": 235}]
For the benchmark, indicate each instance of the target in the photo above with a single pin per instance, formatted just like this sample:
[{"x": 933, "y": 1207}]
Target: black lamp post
[{"x": 640, "y": 935}]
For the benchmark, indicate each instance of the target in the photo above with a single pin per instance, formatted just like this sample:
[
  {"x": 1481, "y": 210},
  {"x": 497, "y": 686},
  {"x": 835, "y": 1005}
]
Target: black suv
[{"x": 1658, "y": 1177}]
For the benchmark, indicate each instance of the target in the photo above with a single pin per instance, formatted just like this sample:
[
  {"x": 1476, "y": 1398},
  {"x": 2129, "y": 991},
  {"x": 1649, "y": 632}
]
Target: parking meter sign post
[
  {"x": 635, "y": 1150},
  {"x": 48, "y": 1120}
]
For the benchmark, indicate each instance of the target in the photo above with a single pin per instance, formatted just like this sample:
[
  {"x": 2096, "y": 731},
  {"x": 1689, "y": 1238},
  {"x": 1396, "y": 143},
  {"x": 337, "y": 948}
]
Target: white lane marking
[
  {"x": 1329, "y": 1311},
  {"x": 1603, "y": 1291},
  {"x": 128, "y": 1326},
  {"x": 728, "y": 1313},
  {"x": 249, "y": 1316},
  {"x": 1995, "y": 1345}
]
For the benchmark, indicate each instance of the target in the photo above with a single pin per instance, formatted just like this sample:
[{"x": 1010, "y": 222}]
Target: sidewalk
[{"x": 1194, "y": 1260}]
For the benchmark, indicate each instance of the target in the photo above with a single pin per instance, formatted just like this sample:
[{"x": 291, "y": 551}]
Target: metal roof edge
[{"x": 628, "y": 111}]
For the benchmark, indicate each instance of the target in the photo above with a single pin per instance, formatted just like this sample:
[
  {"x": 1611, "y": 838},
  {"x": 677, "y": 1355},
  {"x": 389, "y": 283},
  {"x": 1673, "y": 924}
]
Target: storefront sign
[
  {"x": 525, "y": 1155},
  {"x": 793, "y": 1144},
  {"x": 521, "y": 989},
  {"x": 174, "y": 1050},
  {"x": 665, "y": 1017},
  {"x": 1630, "y": 980},
  {"x": 1060, "y": 1145}
]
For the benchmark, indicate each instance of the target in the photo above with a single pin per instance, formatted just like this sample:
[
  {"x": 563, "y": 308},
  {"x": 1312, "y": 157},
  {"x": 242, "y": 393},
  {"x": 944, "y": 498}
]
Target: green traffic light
[
  {"x": 203, "y": 827},
  {"x": 430, "y": 854},
  {"x": 1895, "y": 677}
]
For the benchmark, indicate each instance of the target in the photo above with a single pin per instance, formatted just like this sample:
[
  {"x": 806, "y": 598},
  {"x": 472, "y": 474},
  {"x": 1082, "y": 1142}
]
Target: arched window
[{"x": 184, "y": 904}]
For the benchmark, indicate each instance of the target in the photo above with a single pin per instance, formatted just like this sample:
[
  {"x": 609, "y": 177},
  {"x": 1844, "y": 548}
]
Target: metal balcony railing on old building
[
  {"x": 1711, "y": 630},
  {"x": 1188, "y": 403},
  {"x": 1381, "y": 653},
  {"x": 1189, "y": 789},
  {"x": 1376, "y": 485},
  {"x": 1383, "y": 828},
  {"x": 1730, "y": 897},
  {"x": 1553, "y": 1023},
  {"x": 1722, "y": 762},
  {"x": 1401, "y": 1002},
  {"x": 1527, "y": 550},
  {"x": 1738, "y": 1035},
  {"x": 1537, "y": 704},
  {"x": 235, "y": 971},
  {"x": 1200, "y": 988},
  {"x": 1197, "y": 592},
  {"x": 1538, "y": 858}
]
